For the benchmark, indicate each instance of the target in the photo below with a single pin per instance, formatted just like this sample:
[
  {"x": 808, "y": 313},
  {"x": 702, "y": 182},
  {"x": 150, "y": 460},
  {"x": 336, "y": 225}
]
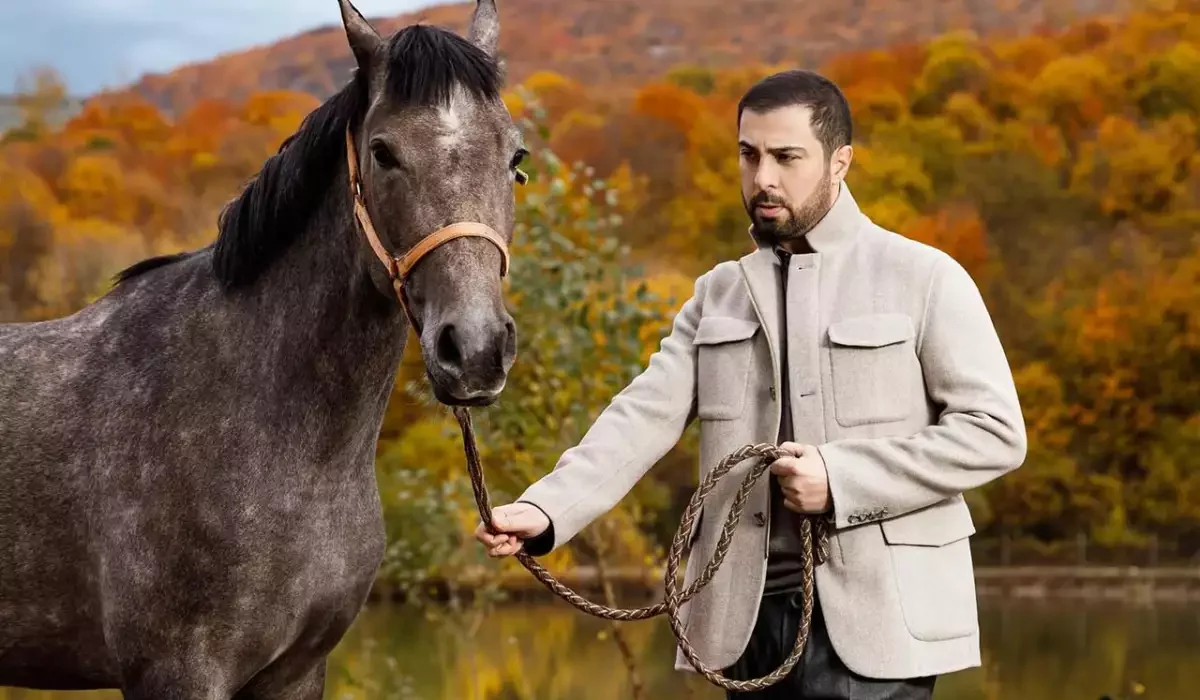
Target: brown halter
[{"x": 398, "y": 267}]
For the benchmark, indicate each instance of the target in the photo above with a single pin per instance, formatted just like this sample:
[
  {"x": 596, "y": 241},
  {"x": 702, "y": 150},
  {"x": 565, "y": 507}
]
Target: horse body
[
  {"x": 195, "y": 483},
  {"x": 189, "y": 506}
]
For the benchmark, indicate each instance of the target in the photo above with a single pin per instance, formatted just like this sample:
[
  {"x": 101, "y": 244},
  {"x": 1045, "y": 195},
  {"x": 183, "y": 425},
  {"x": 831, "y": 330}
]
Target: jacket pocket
[
  {"x": 873, "y": 363},
  {"x": 723, "y": 354},
  {"x": 933, "y": 569}
]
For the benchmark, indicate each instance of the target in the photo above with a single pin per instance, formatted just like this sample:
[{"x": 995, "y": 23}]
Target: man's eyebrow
[{"x": 777, "y": 150}]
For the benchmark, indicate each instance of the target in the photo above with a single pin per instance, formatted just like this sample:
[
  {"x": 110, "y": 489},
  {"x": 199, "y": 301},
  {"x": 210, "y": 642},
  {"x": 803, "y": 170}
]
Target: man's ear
[{"x": 840, "y": 163}]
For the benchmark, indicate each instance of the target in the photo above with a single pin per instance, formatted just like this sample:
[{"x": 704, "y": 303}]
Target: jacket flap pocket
[
  {"x": 943, "y": 523},
  {"x": 713, "y": 330},
  {"x": 872, "y": 331}
]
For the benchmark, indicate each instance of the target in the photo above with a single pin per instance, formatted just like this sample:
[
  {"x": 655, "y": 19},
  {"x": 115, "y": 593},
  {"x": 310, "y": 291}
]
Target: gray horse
[{"x": 188, "y": 505}]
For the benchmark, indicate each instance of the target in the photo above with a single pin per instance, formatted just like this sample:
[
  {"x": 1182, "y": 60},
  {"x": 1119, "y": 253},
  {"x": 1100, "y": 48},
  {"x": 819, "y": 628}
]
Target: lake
[{"x": 1031, "y": 650}]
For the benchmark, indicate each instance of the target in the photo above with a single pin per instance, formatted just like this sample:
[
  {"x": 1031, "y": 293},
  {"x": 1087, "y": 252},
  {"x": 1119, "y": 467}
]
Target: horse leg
[{"x": 287, "y": 682}]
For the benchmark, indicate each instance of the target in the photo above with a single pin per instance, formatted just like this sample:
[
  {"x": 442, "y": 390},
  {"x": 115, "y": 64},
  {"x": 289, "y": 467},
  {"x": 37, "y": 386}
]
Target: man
[{"x": 876, "y": 353}]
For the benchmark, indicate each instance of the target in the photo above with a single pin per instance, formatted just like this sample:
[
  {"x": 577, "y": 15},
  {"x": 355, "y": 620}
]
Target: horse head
[{"x": 433, "y": 162}]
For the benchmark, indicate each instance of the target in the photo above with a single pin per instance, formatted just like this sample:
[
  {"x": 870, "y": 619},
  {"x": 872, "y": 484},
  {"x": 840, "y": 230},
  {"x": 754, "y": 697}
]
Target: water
[{"x": 1031, "y": 651}]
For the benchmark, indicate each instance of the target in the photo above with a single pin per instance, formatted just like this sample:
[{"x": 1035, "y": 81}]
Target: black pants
[{"x": 820, "y": 674}]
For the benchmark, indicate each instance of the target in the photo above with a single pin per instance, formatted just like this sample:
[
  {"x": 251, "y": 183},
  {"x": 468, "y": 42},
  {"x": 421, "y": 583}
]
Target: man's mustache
[{"x": 766, "y": 199}]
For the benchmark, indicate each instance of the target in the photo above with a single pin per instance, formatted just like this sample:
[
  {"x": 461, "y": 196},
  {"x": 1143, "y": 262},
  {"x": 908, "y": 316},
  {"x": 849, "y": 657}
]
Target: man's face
[{"x": 788, "y": 184}]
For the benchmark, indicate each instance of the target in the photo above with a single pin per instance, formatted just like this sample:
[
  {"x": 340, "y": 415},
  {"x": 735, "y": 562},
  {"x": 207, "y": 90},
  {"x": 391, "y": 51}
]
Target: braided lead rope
[{"x": 673, "y": 598}]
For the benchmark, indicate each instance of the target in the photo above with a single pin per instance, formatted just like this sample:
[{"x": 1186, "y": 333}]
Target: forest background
[{"x": 1058, "y": 163}]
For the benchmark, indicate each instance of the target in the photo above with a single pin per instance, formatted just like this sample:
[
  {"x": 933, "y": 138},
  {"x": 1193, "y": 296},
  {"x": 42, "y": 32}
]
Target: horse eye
[
  {"x": 521, "y": 175},
  {"x": 383, "y": 156}
]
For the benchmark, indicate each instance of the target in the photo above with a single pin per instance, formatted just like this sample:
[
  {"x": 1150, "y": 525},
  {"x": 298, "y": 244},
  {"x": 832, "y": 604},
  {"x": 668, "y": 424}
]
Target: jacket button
[
  {"x": 772, "y": 392},
  {"x": 759, "y": 519}
]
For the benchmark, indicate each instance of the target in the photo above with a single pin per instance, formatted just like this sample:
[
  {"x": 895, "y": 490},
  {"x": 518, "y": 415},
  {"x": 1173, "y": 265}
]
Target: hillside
[{"x": 624, "y": 42}]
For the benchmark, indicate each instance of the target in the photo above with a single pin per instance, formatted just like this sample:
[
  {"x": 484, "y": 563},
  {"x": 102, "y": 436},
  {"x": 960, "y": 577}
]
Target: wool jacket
[{"x": 898, "y": 377}]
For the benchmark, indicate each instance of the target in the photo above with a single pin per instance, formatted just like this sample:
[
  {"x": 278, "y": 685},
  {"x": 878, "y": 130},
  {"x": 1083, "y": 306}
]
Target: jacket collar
[{"x": 835, "y": 233}]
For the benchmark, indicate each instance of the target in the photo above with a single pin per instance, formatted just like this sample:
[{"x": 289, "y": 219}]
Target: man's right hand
[{"x": 515, "y": 522}]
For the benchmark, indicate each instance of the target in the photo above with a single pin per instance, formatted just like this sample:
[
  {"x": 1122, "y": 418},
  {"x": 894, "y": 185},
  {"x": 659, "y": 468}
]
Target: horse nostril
[
  {"x": 510, "y": 338},
  {"x": 449, "y": 352}
]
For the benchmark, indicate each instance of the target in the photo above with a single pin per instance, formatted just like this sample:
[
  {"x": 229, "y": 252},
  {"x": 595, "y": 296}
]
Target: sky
[{"x": 97, "y": 44}]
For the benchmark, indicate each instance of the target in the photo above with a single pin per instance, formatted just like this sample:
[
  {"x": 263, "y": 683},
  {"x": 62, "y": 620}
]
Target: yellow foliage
[
  {"x": 556, "y": 94},
  {"x": 514, "y": 103},
  {"x": 93, "y": 187},
  {"x": 891, "y": 172},
  {"x": 19, "y": 186},
  {"x": 1136, "y": 171},
  {"x": 281, "y": 111},
  {"x": 1073, "y": 91},
  {"x": 85, "y": 253}
]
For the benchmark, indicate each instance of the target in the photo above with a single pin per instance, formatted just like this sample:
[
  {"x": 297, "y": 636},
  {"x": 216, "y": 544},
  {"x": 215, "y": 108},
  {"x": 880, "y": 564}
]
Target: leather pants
[{"x": 820, "y": 674}]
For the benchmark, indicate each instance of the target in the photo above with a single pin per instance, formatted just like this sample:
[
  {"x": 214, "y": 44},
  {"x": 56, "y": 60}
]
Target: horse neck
[{"x": 332, "y": 329}]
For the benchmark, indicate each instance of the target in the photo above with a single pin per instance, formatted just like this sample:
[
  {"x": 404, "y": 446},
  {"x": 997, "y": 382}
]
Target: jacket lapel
[{"x": 762, "y": 283}]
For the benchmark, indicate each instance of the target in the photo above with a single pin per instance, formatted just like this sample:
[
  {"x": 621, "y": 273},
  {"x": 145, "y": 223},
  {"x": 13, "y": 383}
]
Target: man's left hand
[{"x": 804, "y": 479}]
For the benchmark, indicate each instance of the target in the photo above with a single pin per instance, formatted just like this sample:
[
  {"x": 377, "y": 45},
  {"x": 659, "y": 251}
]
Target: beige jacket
[{"x": 896, "y": 374}]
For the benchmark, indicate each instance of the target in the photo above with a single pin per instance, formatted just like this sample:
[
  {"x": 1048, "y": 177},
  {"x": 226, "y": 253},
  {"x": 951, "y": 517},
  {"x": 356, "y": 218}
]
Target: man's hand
[
  {"x": 803, "y": 477},
  {"x": 516, "y": 522}
]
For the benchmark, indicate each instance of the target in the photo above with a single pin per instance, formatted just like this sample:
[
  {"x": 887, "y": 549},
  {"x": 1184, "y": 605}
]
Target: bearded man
[{"x": 872, "y": 361}]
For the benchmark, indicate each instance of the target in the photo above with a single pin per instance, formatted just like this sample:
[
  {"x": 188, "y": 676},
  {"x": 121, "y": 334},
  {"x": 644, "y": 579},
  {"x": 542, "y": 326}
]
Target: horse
[{"x": 188, "y": 503}]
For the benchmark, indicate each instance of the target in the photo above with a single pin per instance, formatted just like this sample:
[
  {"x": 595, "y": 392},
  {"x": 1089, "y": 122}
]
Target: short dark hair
[{"x": 830, "y": 110}]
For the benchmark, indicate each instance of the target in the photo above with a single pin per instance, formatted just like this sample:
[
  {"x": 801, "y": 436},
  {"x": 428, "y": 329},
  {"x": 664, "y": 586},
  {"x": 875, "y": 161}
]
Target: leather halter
[{"x": 399, "y": 266}]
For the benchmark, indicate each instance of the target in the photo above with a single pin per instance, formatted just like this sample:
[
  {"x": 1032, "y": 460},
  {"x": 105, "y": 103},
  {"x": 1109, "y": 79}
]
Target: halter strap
[{"x": 399, "y": 267}]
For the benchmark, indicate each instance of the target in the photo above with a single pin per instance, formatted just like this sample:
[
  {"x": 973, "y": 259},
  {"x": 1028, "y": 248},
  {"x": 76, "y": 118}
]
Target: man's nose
[{"x": 765, "y": 177}]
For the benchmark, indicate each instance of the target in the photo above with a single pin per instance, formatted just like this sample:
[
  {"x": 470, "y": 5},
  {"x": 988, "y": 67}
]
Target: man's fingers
[
  {"x": 518, "y": 518},
  {"x": 795, "y": 449},
  {"x": 488, "y": 538},
  {"x": 505, "y": 549},
  {"x": 785, "y": 466}
]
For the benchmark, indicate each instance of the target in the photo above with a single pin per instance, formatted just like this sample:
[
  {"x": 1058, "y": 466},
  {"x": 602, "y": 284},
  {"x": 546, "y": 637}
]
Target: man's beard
[{"x": 799, "y": 221}]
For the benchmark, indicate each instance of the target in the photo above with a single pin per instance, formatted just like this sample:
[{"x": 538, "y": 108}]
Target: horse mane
[{"x": 424, "y": 66}]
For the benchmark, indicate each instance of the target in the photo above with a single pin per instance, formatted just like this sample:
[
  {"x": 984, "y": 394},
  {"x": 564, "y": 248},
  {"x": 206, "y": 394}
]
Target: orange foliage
[
  {"x": 958, "y": 230},
  {"x": 1061, "y": 169},
  {"x": 670, "y": 104}
]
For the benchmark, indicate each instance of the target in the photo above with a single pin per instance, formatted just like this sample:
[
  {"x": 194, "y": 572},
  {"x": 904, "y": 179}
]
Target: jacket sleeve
[
  {"x": 641, "y": 424},
  {"x": 979, "y": 435}
]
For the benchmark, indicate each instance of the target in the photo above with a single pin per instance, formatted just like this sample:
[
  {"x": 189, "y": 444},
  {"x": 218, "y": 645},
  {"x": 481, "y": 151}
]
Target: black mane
[
  {"x": 424, "y": 66},
  {"x": 257, "y": 226},
  {"x": 149, "y": 264},
  {"x": 425, "y": 63}
]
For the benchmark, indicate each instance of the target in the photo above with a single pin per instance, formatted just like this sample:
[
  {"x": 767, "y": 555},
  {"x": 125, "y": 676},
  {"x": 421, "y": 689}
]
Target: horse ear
[
  {"x": 364, "y": 40},
  {"x": 485, "y": 26}
]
